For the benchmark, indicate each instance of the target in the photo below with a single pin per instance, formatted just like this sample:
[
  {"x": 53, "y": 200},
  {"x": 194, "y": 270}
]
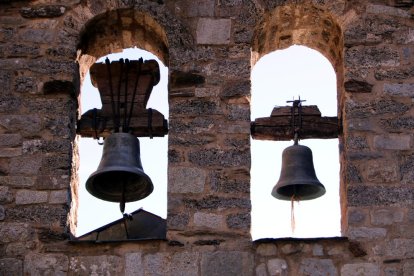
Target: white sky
[{"x": 276, "y": 78}]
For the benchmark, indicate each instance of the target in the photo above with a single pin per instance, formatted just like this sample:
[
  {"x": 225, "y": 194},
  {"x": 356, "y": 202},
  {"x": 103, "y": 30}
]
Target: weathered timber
[
  {"x": 278, "y": 127},
  {"x": 124, "y": 87},
  {"x": 96, "y": 125},
  {"x": 307, "y": 110}
]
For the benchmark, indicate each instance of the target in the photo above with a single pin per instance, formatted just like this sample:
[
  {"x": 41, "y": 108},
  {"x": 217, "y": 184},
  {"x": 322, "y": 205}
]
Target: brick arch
[
  {"x": 303, "y": 24},
  {"x": 149, "y": 26}
]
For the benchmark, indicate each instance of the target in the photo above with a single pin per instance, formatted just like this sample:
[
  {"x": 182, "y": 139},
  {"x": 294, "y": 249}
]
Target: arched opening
[
  {"x": 118, "y": 34},
  {"x": 277, "y": 77},
  {"x": 153, "y": 154},
  {"x": 317, "y": 29}
]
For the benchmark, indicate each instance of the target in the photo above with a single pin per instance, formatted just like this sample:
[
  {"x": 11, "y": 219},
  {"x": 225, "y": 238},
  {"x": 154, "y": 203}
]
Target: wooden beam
[
  {"x": 278, "y": 127},
  {"x": 124, "y": 87},
  {"x": 93, "y": 124}
]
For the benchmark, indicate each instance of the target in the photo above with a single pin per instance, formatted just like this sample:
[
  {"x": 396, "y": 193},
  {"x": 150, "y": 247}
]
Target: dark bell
[
  {"x": 297, "y": 180},
  {"x": 120, "y": 177}
]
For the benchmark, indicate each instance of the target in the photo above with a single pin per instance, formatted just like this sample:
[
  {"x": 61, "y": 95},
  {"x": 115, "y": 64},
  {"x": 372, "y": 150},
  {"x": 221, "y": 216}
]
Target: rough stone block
[
  {"x": 399, "y": 89},
  {"x": 196, "y": 107},
  {"x": 213, "y": 31},
  {"x": 378, "y": 172},
  {"x": 406, "y": 230},
  {"x": 15, "y": 232},
  {"x": 224, "y": 263},
  {"x": 238, "y": 112},
  {"x": 356, "y": 110},
  {"x": 220, "y": 158},
  {"x": 177, "y": 221},
  {"x": 17, "y": 181},
  {"x": 6, "y": 196},
  {"x": 133, "y": 264},
  {"x": 291, "y": 248},
  {"x": 204, "y": 8},
  {"x": 31, "y": 197},
  {"x": 24, "y": 84},
  {"x": 392, "y": 142},
  {"x": 20, "y": 248},
  {"x": 9, "y": 104},
  {"x": 400, "y": 248},
  {"x": 408, "y": 268},
  {"x": 25, "y": 166},
  {"x": 213, "y": 202},
  {"x": 11, "y": 266},
  {"x": 10, "y": 140},
  {"x": 261, "y": 270},
  {"x": 317, "y": 267},
  {"x": 186, "y": 180},
  {"x": 317, "y": 250},
  {"x": 180, "y": 79},
  {"x": 37, "y": 36},
  {"x": 230, "y": 181},
  {"x": 386, "y": 216},
  {"x": 25, "y": 124},
  {"x": 386, "y": 10},
  {"x": 394, "y": 73},
  {"x": 231, "y": 69},
  {"x": 379, "y": 195},
  {"x": 236, "y": 89},
  {"x": 40, "y": 214},
  {"x": 277, "y": 267},
  {"x": 371, "y": 57},
  {"x": 410, "y": 215},
  {"x": 358, "y": 86},
  {"x": 46, "y": 264},
  {"x": 52, "y": 182},
  {"x": 266, "y": 249},
  {"x": 5, "y": 79},
  {"x": 356, "y": 216},
  {"x": 2, "y": 213},
  {"x": 96, "y": 265},
  {"x": 398, "y": 124},
  {"x": 206, "y": 92},
  {"x": 48, "y": 11},
  {"x": 59, "y": 197},
  {"x": 392, "y": 271},
  {"x": 366, "y": 233},
  {"x": 185, "y": 263},
  {"x": 11, "y": 152},
  {"x": 157, "y": 264},
  {"x": 352, "y": 174},
  {"x": 198, "y": 125},
  {"x": 209, "y": 220},
  {"x": 357, "y": 142},
  {"x": 367, "y": 269},
  {"x": 239, "y": 221},
  {"x": 22, "y": 50}
]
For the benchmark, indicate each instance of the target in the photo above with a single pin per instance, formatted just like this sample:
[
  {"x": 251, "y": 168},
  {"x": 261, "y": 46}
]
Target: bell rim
[
  {"x": 106, "y": 197},
  {"x": 320, "y": 192}
]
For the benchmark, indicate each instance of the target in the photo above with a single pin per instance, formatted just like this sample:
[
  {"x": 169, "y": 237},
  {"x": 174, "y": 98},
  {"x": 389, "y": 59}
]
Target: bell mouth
[
  {"x": 110, "y": 185},
  {"x": 299, "y": 191}
]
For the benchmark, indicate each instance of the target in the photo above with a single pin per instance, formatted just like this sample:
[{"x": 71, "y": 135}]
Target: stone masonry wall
[{"x": 209, "y": 46}]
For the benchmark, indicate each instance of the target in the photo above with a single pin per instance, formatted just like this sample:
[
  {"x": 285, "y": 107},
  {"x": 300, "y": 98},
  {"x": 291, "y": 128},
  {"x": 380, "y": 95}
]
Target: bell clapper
[{"x": 122, "y": 202}]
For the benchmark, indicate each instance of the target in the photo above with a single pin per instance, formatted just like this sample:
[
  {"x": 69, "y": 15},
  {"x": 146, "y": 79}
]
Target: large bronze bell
[
  {"x": 297, "y": 180},
  {"x": 120, "y": 177}
]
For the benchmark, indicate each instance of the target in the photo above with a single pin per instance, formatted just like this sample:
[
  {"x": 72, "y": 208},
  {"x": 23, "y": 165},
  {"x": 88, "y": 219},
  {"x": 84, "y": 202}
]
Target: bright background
[{"x": 277, "y": 77}]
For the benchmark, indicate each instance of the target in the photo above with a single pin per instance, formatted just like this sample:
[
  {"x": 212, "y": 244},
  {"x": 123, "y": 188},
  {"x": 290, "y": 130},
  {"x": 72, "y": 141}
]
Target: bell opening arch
[
  {"x": 129, "y": 34},
  {"x": 318, "y": 30}
]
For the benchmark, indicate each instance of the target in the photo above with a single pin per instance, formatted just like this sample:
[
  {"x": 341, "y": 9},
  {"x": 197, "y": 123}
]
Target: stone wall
[{"x": 46, "y": 47}]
